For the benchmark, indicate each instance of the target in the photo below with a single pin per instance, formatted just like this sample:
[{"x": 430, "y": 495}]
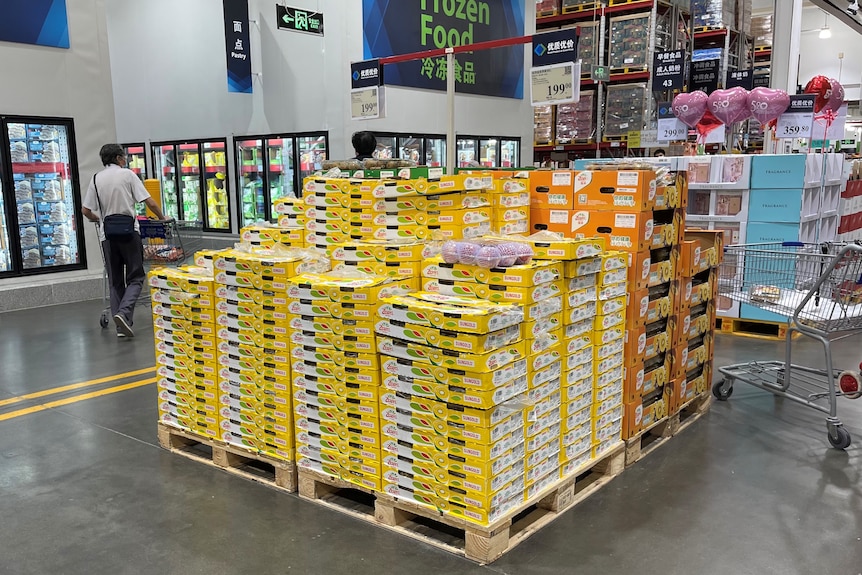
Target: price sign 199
[
  {"x": 556, "y": 84},
  {"x": 365, "y": 103}
]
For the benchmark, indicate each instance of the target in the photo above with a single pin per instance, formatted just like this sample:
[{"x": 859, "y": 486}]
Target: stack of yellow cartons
[
  {"x": 344, "y": 209},
  {"x": 455, "y": 379},
  {"x": 336, "y": 375},
  {"x": 185, "y": 338},
  {"x": 269, "y": 236},
  {"x": 253, "y": 349},
  {"x": 510, "y": 201},
  {"x": 694, "y": 310},
  {"x": 378, "y": 257}
]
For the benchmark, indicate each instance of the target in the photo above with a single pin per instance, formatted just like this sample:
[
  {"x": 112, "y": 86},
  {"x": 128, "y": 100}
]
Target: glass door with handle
[
  {"x": 215, "y": 182},
  {"x": 510, "y": 153},
  {"x": 165, "y": 168},
  {"x": 250, "y": 175},
  {"x": 136, "y": 161},
  {"x": 311, "y": 151}
]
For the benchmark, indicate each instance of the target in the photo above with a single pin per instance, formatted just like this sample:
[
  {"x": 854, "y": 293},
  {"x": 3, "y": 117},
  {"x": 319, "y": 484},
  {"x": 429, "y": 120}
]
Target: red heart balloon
[
  {"x": 707, "y": 124},
  {"x": 821, "y": 87}
]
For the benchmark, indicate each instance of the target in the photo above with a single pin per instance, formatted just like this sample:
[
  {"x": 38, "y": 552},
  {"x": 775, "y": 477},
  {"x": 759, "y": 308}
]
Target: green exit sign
[
  {"x": 299, "y": 20},
  {"x": 600, "y": 74}
]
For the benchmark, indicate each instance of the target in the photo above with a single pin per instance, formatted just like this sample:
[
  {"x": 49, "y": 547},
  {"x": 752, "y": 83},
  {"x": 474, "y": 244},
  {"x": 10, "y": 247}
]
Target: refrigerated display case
[
  {"x": 265, "y": 166},
  {"x": 488, "y": 153},
  {"x": 387, "y": 147},
  {"x": 312, "y": 149},
  {"x": 40, "y": 201},
  {"x": 510, "y": 153},
  {"x": 136, "y": 160},
  {"x": 194, "y": 181},
  {"x": 435, "y": 151},
  {"x": 467, "y": 150},
  {"x": 410, "y": 148}
]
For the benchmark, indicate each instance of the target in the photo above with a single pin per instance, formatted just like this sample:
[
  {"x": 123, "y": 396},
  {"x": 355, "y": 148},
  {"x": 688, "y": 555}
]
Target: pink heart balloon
[
  {"x": 835, "y": 95},
  {"x": 766, "y": 104},
  {"x": 690, "y": 107},
  {"x": 729, "y": 106}
]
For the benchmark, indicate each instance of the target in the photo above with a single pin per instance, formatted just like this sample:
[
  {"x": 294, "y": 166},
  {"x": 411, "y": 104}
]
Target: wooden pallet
[
  {"x": 691, "y": 412},
  {"x": 587, "y": 7},
  {"x": 547, "y": 13},
  {"x": 272, "y": 472},
  {"x": 483, "y": 544},
  {"x": 648, "y": 440},
  {"x": 622, "y": 2},
  {"x": 627, "y": 70},
  {"x": 703, "y": 29},
  {"x": 752, "y": 328},
  {"x": 614, "y": 138},
  {"x": 577, "y": 142}
]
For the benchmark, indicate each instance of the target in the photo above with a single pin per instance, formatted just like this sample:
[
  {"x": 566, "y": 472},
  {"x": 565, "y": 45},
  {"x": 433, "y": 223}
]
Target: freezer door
[
  {"x": 435, "y": 152},
  {"x": 165, "y": 167},
  {"x": 410, "y": 148},
  {"x": 312, "y": 153},
  {"x": 386, "y": 147},
  {"x": 44, "y": 195},
  {"x": 488, "y": 153},
  {"x": 250, "y": 165},
  {"x": 136, "y": 161},
  {"x": 216, "y": 185},
  {"x": 6, "y": 264},
  {"x": 467, "y": 153},
  {"x": 280, "y": 171},
  {"x": 510, "y": 153}
]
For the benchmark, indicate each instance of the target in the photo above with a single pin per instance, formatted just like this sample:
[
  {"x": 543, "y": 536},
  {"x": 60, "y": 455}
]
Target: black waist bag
[{"x": 117, "y": 227}]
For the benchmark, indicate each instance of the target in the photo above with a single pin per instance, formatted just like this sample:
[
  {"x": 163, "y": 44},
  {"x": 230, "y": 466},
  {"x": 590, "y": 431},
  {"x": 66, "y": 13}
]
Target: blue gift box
[
  {"x": 779, "y": 205},
  {"x": 778, "y": 171}
]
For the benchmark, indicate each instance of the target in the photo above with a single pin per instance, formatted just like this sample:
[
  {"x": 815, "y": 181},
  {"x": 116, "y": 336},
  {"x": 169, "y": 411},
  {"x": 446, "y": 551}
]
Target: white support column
[
  {"x": 451, "y": 152},
  {"x": 786, "y": 37}
]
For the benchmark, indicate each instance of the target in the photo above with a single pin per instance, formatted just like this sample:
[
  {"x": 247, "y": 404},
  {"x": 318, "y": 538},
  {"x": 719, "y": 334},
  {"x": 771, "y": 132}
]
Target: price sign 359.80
[{"x": 556, "y": 84}]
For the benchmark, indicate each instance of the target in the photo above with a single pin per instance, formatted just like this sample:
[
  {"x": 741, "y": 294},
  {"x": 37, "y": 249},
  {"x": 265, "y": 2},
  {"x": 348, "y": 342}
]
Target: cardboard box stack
[
  {"x": 343, "y": 210},
  {"x": 336, "y": 377},
  {"x": 510, "y": 201},
  {"x": 185, "y": 339},
  {"x": 695, "y": 311},
  {"x": 289, "y": 232},
  {"x": 253, "y": 348},
  {"x": 624, "y": 205}
]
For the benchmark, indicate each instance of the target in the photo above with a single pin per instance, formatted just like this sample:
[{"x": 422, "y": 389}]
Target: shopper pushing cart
[
  {"x": 819, "y": 286},
  {"x": 110, "y": 201}
]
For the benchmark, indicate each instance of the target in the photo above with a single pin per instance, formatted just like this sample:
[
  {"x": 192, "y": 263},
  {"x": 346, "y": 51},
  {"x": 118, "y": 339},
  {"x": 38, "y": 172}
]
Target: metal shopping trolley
[
  {"x": 163, "y": 246},
  {"x": 819, "y": 286}
]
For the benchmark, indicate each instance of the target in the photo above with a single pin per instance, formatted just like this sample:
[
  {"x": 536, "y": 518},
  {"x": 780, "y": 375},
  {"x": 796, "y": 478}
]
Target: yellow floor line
[
  {"x": 56, "y": 390},
  {"x": 77, "y": 398}
]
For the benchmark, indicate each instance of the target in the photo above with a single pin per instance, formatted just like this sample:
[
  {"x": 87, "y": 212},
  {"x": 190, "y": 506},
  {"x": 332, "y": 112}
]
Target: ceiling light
[{"x": 825, "y": 32}]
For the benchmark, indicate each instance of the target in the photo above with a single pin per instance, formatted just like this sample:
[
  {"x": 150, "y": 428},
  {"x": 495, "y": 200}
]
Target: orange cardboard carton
[{"x": 611, "y": 190}]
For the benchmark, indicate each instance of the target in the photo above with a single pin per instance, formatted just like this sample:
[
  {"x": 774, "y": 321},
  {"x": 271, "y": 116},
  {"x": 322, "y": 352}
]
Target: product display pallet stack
[
  {"x": 336, "y": 377},
  {"x": 510, "y": 205},
  {"x": 289, "y": 232}
]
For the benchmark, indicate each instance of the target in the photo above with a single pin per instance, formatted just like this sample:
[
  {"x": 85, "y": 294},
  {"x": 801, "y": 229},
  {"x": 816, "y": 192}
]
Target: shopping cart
[
  {"x": 163, "y": 246},
  {"x": 819, "y": 286}
]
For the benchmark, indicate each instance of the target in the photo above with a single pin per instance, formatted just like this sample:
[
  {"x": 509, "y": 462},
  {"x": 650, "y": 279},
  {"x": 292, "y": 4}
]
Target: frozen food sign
[
  {"x": 393, "y": 28},
  {"x": 237, "y": 46},
  {"x": 41, "y": 22}
]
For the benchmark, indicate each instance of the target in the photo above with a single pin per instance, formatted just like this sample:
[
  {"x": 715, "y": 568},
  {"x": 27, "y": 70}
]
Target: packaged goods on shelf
[
  {"x": 575, "y": 122},
  {"x": 629, "y": 42},
  {"x": 547, "y": 7},
  {"x": 588, "y": 39},
  {"x": 743, "y": 16},
  {"x": 624, "y": 110},
  {"x": 543, "y": 125},
  {"x": 761, "y": 29},
  {"x": 714, "y": 13}
]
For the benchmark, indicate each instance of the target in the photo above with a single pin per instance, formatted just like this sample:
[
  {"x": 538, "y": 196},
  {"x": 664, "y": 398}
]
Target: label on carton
[
  {"x": 561, "y": 179},
  {"x": 625, "y": 221},
  {"x": 583, "y": 179},
  {"x": 627, "y": 178},
  {"x": 559, "y": 216}
]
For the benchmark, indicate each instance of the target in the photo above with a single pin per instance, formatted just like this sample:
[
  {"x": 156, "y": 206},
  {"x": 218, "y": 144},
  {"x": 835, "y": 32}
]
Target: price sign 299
[{"x": 556, "y": 84}]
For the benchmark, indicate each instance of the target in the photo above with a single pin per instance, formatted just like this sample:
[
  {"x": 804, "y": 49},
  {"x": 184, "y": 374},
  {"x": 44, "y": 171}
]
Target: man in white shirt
[{"x": 116, "y": 190}]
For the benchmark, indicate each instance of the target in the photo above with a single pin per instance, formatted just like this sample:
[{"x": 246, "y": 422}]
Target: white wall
[
  {"x": 73, "y": 83},
  {"x": 170, "y": 82},
  {"x": 820, "y": 56}
]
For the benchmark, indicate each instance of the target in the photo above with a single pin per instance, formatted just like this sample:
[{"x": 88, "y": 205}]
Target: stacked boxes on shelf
[
  {"x": 577, "y": 5},
  {"x": 253, "y": 349},
  {"x": 761, "y": 29},
  {"x": 694, "y": 312},
  {"x": 292, "y": 216},
  {"x": 850, "y": 227},
  {"x": 575, "y": 122},
  {"x": 624, "y": 109},
  {"x": 336, "y": 377},
  {"x": 714, "y": 13},
  {"x": 719, "y": 200},
  {"x": 547, "y": 8},
  {"x": 629, "y": 43},
  {"x": 186, "y": 356},
  {"x": 543, "y": 125}
]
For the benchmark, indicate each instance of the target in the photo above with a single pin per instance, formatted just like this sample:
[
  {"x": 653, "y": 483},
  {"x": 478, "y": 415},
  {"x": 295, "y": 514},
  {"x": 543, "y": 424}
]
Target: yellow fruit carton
[
  {"x": 520, "y": 295},
  {"x": 190, "y": 279},
  {"x": 550, "y": 247},
  {"x": 436, "y": 268},
  {"x": 176, "y": 297},
  {"x": 451, "y": 288},
  {"x": 459, "y": 217},
  {"x": 452, "y": 340},
  {"x": 533, "y": 274},
  {"x": 534, "y": 329},
  {"x": 346, "y": 289},
  {"x": 450, "y": 313}
]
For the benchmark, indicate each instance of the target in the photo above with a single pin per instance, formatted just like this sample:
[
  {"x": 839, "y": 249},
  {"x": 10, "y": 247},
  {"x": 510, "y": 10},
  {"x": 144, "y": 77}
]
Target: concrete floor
[{"x": 84, "y": 488}]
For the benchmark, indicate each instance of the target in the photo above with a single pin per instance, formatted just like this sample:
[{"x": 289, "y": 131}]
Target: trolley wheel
[
  {"x": 843, "y": 440},
  {"x": 720, "y": 393},
  {"x": 851, "y": 384},
  {"x": 103, "y": 320}
]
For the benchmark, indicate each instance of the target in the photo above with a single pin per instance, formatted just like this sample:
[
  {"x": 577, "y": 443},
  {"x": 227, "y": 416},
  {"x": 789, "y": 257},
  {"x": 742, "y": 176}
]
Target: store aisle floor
[{"x": 84, "y": 489}]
